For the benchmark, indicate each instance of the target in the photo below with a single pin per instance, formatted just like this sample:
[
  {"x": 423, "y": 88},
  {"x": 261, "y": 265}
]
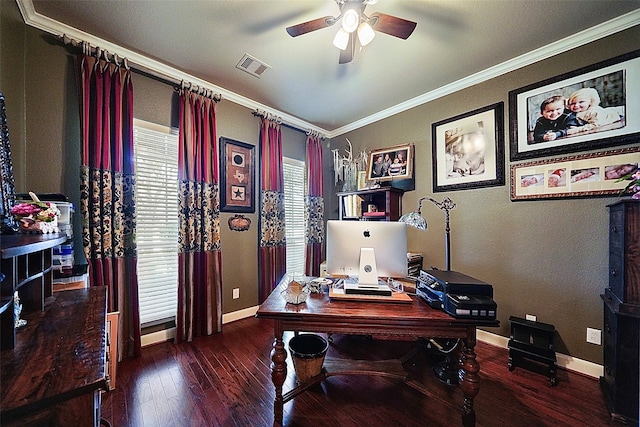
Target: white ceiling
[{"x": 456, "y": 43}]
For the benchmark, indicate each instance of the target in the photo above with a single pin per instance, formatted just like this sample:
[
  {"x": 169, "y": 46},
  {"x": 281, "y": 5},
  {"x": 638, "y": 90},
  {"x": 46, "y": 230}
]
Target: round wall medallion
[{"x": 239, "y": 223}]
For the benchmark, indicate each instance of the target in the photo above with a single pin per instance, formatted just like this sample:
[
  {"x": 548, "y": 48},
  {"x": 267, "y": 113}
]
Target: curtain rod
[
  {"x": 268, "y": 116},
  {"x": 203, "y": 91},
  {"x": 168, "y": 79},
  {"x": 277, "y": 119},
  {"x": 98, "y": 52}
]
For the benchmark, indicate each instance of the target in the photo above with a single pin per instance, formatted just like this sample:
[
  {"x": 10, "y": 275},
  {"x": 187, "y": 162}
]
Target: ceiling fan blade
[
  {"x": 346, "y": 55},
  {"x": 392, "y": 25},
  {"x": 307, "y": 27}
]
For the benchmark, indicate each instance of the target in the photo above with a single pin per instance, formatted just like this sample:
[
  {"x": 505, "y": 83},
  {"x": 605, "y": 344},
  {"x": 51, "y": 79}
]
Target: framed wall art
[
  {"x": 581, "y": 175},
  {"x": 236, "y": 176},
  {"x": 468, "y": 150},
  {"x": 390, "y": 163},
  {"x": 593, "y": 107}
]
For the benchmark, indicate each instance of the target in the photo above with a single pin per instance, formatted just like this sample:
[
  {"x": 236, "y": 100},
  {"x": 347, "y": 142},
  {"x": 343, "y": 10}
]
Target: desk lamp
[
  {"x": 447, "y": 370},
  {"x": 415, "y": 219}
]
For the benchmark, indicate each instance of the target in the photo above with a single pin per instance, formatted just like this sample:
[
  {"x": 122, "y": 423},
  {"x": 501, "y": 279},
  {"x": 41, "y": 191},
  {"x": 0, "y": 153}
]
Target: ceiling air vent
[{"x": 252, "y": 66}]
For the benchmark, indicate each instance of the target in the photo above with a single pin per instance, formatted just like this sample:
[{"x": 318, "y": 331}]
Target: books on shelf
[
  {"x": 352, "y": 206},
  {"x": 414, "y": 264},
  {"x": 414, "y": 256}
]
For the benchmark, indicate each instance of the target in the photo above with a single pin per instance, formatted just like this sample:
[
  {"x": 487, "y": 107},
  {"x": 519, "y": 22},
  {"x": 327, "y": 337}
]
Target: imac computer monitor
[{"x": 382, "y": 241}]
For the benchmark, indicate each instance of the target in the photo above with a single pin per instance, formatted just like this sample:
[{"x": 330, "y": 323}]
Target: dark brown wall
[
  {"x": 546, "y": 258},
  {"x": 38, "y": 81}
]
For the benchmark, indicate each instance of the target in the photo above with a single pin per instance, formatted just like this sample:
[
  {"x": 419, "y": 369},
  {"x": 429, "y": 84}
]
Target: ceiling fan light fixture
[
  {"x": 350, "y": 20},
  {"x": 357, "y": 29},
  {"x": 341, "y": 39},
  {"x": 365, "y": 34}
]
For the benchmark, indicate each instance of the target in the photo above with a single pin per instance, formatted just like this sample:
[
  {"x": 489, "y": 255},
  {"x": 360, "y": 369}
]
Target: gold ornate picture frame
[
  {"x": 582, "y": 175},
  {"x": 386, "y": 164}
]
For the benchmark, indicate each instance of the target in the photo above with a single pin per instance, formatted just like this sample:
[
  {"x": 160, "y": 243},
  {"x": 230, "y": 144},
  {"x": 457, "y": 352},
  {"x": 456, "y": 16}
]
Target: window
[
  {"x": 156, "y": 163},
  {"x": 294, "y": 185}
]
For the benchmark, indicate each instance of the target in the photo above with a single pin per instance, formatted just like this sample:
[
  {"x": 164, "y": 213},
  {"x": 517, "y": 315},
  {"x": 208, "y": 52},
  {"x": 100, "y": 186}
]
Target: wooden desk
[
  {"x": 320, "y": 314},
  {"x": 55, "y": 373}
]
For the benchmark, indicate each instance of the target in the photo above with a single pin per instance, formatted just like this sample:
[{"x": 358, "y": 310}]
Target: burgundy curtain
[
  {"x": 272, "y": 246},
  {"x": 107, "y": 191},
  {"x": 314, "y": 206},
  {"x": 199, "y": 255}
]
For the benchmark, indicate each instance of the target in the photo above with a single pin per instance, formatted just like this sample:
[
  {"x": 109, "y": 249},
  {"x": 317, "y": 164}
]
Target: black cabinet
[{"x": 622, "y": 312}]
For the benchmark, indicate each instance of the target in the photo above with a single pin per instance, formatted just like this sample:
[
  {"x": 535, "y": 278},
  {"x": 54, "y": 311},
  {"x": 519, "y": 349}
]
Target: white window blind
[
  {"x": 156, "y": 163},
  {"x": 294, "y": 179}
]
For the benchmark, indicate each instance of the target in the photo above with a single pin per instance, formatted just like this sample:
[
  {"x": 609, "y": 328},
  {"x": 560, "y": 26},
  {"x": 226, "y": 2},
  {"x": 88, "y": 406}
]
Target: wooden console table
[
  {"x": 55, "y": 373},
  {"x": 415, "y": 320}
]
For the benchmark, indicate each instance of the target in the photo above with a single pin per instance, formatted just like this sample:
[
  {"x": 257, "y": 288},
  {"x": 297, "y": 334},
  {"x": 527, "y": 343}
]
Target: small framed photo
[
  {"x": 362, "y": 180},
  {"x": 590, "y": 108},
  {"x": 236, "y": 176},
  {"x": 468, "y": 150},
  {"x": 390, "y": 163},
  {"x": 581, "y": 175}
]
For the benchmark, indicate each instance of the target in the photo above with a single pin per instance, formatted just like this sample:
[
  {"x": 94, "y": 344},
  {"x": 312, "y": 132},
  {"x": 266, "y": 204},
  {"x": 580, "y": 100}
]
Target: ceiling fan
[{"x": 356, "y": 28}]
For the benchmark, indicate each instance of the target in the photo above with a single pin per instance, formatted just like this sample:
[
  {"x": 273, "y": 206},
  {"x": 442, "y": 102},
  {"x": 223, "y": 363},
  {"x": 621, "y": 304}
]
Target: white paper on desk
[{"x": 338, "y": 291}]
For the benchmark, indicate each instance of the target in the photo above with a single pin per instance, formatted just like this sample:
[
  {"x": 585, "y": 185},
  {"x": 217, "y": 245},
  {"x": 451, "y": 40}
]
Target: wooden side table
[{"x": 532, "y": 341}]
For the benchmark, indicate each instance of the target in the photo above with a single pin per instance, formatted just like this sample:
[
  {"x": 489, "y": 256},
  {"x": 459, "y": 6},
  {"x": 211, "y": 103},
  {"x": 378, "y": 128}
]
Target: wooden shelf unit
[
  {"x": 26, "y": 262},
  {"x": 386, "y": 199}
]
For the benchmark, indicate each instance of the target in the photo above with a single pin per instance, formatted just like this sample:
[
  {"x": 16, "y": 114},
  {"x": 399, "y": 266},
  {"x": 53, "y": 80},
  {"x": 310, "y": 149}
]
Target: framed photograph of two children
[{"x": 590, "y": 108}]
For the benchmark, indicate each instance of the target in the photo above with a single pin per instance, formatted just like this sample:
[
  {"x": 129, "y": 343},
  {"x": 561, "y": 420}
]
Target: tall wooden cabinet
[{"x": 622, "y": 312}]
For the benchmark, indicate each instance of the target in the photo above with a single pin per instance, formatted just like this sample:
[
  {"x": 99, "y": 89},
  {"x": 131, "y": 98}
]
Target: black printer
[{"x": 457, "y": 294}]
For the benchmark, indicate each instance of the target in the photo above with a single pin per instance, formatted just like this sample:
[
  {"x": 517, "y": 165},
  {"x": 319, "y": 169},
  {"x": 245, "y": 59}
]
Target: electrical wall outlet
[
  {"x": 594, "y": 336},
  {"x": 236, "y": 293},
  {"x": 531, "y": 317}
]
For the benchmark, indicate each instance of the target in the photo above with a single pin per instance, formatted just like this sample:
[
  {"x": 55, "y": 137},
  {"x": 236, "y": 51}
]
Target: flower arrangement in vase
[
  {"x": 36, "y": 216},
  {"x": 633, "y": 187}
]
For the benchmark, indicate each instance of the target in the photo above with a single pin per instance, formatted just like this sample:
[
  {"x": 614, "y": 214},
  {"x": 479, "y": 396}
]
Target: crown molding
[
  {"x": 623, "y": 22},
  {"x": 44, "y": 23},
  {"x": 589, "y": 35}
]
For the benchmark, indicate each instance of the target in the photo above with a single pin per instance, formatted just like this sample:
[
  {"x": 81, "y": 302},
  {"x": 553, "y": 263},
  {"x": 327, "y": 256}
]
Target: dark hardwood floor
[{"x": 224, "y": 380}]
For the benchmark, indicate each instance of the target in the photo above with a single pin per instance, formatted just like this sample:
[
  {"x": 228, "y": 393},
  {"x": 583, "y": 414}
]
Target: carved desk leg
[
  {"x": 278, "y": 372},
  {"x": 470, "y": 379}
]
